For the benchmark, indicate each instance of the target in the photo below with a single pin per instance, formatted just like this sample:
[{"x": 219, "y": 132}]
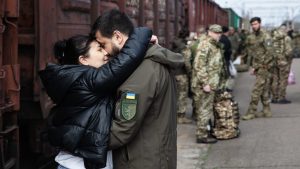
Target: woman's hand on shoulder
[{"x": 154, "y": 39}]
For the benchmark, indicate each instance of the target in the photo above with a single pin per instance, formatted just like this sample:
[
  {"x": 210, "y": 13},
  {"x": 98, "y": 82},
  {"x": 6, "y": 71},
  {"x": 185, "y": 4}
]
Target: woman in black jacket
[{"x": 83, "y": 88}]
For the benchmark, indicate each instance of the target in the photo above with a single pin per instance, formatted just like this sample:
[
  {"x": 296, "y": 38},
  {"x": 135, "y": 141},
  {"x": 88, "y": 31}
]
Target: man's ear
[
  {"x": 119, "y": 37},
  {"x": 82, "y": 60}
]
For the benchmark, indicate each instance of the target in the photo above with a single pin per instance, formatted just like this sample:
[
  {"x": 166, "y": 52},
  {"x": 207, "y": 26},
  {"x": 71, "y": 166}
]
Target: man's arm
[
  {"x": 200, "y": 64},
  {"x": 111, "y": 75},
  {"x": 269, "y": 54},
  {"x": 137, "y": 95},
  {"x": 288, "y": 47}
]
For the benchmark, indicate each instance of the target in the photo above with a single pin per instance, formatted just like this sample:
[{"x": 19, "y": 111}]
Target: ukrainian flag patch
[
  {"x": 130, "y": 95},
  {"x": 129, "y": 105}
]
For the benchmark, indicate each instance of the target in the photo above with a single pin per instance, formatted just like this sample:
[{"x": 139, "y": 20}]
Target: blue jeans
[{"x": 61, "y": 167}]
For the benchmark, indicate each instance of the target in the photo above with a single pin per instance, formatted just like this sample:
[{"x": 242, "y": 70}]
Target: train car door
[{"x": 57, "y": 20}]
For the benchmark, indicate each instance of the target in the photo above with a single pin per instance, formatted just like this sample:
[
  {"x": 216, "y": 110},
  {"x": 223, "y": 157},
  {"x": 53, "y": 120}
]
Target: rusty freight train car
[
  {"x": 202, "y": 13},
  {"x": 28, "y": 30}
]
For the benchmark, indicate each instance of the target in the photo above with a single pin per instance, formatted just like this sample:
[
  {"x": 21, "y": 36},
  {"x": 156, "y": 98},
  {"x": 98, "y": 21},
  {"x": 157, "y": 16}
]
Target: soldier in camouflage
[
  {"x": 259, "y": 48},
  {"x": 190, "y": 53},
  {"x": 207, "y": 69},
  {"x": 179, "y": 46},
  {"x": 283, "y": 57},
  {"x": 296, "y": 44}
]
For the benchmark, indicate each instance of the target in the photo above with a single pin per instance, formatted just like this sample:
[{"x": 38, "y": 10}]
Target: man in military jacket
[
  {"x": 283, "y": 56},
  {"x": 259, "y": 48},
  {"x": 206, "y": 76}
]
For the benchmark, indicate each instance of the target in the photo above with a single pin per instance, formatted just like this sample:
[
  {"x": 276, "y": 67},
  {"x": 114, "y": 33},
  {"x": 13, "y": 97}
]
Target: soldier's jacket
[
  {"x": 208, "y": 64},
  {"x": 143, "y": 132},
  {"x": 282, "y": 47},
  {"x": 260, "y": 49},
  {"x": 179, "y": 46},
  {"x": 288, "y": 48},
  {"x": 296, "y": 40},
  {"x": 235, "y": 41},
  {"x": 189, "y": 53},
  {"x": 193, "y": 47}
]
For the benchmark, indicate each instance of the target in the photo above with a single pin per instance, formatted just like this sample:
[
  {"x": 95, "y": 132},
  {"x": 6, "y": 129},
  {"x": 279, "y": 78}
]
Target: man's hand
[
  {"x": 154, "y": 39},
  {"x": 207, "y": 88}
]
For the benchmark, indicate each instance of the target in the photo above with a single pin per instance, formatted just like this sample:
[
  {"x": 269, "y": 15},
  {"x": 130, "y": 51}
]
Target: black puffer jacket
[{"x": 80, "y": 123}]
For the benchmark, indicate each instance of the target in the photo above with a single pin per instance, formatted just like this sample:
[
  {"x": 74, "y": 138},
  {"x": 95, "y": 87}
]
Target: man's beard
[
  {"x": 115, "y": 51},
  {"x": 257, "y": 31}
]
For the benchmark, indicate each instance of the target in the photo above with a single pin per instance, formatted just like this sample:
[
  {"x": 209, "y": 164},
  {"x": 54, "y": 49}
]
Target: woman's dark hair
[
  {"x": 68, "y": 51},
  {"x": 111, "y": 21}
]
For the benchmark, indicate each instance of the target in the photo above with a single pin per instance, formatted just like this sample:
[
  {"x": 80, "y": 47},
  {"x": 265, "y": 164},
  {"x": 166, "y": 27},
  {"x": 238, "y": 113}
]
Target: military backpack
[{"x": 226, "y": 116}]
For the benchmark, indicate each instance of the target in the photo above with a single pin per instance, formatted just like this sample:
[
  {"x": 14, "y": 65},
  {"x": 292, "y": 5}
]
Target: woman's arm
[{"x": 111, "y": 75}]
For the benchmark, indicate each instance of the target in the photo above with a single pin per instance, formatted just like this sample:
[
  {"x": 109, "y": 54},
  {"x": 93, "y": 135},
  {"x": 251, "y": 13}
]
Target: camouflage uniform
[
  {"x": 259, "y": 48},
  {"x": 207, "y": 68},
  {"x": 235, "y": 42},
  {"x": 289, "y": 52},
  {"x": 190, "y": 54},
  {"x": 283, "y": 57},
  {"x": 226, "y": 116},
  {"x": 182, "y": 81}
]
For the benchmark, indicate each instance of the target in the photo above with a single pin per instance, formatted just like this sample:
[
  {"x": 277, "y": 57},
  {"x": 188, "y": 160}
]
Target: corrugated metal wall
[{"x": 202, "y": 13}]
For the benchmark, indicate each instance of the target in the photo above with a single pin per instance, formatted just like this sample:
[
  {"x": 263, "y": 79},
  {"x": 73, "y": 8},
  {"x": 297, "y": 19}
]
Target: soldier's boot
[
  {"x": 267, "y": 111},
  {"x": 259, "y": 114},
  {"x": 181, "y": 119},
  {"x": 206, "y": 140},
  {"x": 249, "y": 115}
]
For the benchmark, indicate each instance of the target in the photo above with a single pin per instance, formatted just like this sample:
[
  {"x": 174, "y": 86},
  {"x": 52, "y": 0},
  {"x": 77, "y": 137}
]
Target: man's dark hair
[
  {"x": 283, "y": 24},
  {"x": 111, "y": 21},
  {"x": 255, "y": 19},
  {"x": 183, "y": 33},
  {"x": 225, "y": 29}
]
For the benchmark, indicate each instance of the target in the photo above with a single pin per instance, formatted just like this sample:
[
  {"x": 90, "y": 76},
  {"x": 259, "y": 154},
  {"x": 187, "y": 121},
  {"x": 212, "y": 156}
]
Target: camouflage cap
[{"x": 215, "y": 28}]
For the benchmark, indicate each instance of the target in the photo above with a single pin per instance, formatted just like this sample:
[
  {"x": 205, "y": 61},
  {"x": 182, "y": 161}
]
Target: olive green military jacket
[
  {"x": 260, "y": 49},
  {"x": 282, "y": 45},
  {"x": 208, "y": 65},
  {"x": 143, "y": 132}
]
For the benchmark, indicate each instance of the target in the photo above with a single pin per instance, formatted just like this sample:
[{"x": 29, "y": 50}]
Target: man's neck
[{"x": 257, "y": 32}]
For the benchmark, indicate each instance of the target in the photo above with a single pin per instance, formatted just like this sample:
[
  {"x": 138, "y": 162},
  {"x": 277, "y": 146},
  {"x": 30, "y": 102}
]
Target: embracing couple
[{"x": 115, "y": 98}]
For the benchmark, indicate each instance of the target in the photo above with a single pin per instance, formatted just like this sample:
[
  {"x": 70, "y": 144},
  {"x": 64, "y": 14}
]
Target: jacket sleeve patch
[{"x": 129, "y": 105}]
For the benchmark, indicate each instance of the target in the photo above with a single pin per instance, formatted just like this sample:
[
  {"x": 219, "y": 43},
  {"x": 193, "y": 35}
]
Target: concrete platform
[{"x": 265, "y": 143}]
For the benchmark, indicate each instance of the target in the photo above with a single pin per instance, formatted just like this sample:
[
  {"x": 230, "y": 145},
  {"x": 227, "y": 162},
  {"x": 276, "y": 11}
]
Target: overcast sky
[{"x": 272, "y": 12}]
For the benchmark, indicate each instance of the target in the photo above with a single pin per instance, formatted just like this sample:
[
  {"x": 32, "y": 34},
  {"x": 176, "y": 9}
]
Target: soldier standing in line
[
  {"x": 227, "y": 51},
  {"x": 179, "y": 46},
  {"x": 234, "y": 40},
  {"x": 296, "y": 44},
  {"x": 190, "y": 53},
  {"x": 259, "y": 47},
  {"x": 283, "y": 57},
  {"x": 207, "y": 68}
]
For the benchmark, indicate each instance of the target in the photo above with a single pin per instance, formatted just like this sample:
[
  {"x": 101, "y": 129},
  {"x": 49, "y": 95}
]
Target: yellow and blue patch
[
  {"x": 129, "y": 105},
  {"x": 130, "y": 95}
]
